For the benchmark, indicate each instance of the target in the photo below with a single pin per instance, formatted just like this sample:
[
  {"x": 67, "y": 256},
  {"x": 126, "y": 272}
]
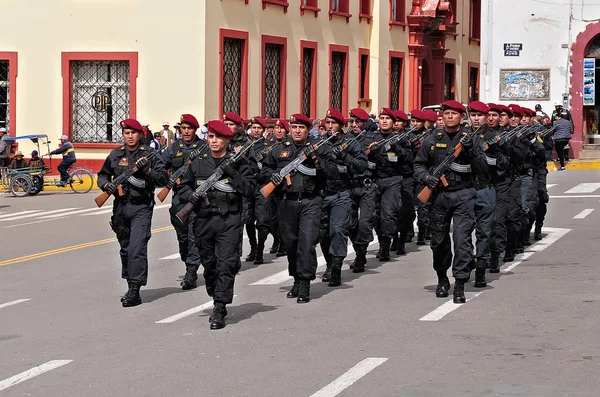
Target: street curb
[
  {"x": 575, "y": 165},
  {"x": 67, "y": 188}
]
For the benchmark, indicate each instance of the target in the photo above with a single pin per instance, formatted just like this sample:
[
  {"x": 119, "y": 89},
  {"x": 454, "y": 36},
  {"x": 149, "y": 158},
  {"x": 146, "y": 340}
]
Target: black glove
[
  {"x": 526, "y": 141},
  {"x": 339, "y": 153},
  {"x": 109, "y": 187},
  {"x": 493, "y": 148},
  {"x": 142, "y": 164},
  {"x": 194, "y": 198},
  {"x": 229, "y": 170},
  {"x": 311, "y": 152},
  {"x": 467, "y": 143},
  {"x": 432, "y": 181},
  {"x": 276, "y": 178}
]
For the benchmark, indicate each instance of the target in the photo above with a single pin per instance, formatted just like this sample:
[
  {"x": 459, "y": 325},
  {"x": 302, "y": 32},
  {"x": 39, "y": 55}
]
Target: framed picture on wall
[{"x": 524, "y": 84}]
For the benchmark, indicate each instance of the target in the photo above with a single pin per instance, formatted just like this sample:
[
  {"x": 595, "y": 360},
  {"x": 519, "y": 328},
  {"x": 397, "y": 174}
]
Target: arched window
[{"x": 594, "y": 50}]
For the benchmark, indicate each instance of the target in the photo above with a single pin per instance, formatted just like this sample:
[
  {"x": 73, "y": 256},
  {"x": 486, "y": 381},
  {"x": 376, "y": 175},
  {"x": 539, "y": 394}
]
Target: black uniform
[
  {"x": 175, "y": 156},
  {"x": 337, "y": 206},
  {"x": 299, "y": 208},
  {"x": 218, "y": 220},
  {"x": 407, "y": 213},
  {"x": 543, "y": 197},
  {"x": 422, "y": 208},
  {"x": 132, "y": 212},
  {"x": 454, "y": 203}
]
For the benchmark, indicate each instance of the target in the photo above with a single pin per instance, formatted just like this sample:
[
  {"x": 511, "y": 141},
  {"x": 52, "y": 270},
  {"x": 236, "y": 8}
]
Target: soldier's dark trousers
[
  {"x": 485, "y": 202},
  {"x": 456, "y": 207},
  {"x": 363, "y": 214},
  {"x": 218, "y": 239},
  {"x": 506, "y": 216},
  {"x": 263, "y": 209},
  {"x": 300, "y": 221},
  {"x": 422, "y": 210},
  {"x": 132, "y": 224},
  {"x": 338, "y": 208},
  {"x": 407, "y": 210},
  {"x": 390, "y": 202},
  {"x": 185, "y": 235},
  {"x": 529, "y": 202}
]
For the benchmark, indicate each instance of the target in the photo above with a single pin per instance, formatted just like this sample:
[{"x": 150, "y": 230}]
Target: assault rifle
[
  {"x": 119, "y": 181},
  {"x": 287, "y": 170},
  {"x": 261, "y": 155},
  {"x": 176, "y": 177},
  {"x": 439, "y": 171},
  {"x": 347, "y": 142},
  {"x": 388, "y": 141},
  {"x": 420, "y": 138}
]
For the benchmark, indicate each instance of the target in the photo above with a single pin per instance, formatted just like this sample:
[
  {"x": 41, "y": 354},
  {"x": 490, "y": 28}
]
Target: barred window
[
  {"x": 308, "y": 57},
  {"x": 272, "y": 80},
  {"x": 100, "y": 99},
  {"x": 395, "y": 77},
  {"x": 473, "y": 84},
  {"x": 338, "y": 66},
  {"x": 4, "y": 95},
  {"x": 232, "y": 74}
]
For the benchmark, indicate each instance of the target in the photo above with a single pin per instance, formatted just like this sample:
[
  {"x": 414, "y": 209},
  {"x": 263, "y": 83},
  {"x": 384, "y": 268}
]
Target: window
[
  {"x": 99, "y": 90},
  {"x": 397, "y": 12},
  {"x": 338, "y": 78},
  {"x": 233, "y": 68},
  {"x": 282, "y": 3},
  {"x": 396, "y": 82},
  {"x": 308, "y": 80},
  {"x": 341, "y": 8},
  {"x": 363, "y": 75},
  {"x": 449, "y": 80},
  {"x": 473, "y": 82},
  {"x": 274, "y": 76},
  {"x": 365, "y": 11},
  {"x": 8, "y": 76},
  {"x": 310, "y": 5},
  {"x": 475, "y": 21}
]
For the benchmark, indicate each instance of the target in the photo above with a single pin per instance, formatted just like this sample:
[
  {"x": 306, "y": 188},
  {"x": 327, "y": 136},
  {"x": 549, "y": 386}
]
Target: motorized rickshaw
[{"x": 30, "y": 181}]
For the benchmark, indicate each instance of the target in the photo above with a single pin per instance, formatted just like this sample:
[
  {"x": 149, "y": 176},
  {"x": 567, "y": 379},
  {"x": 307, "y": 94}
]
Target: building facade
[
  {"x": 80, "y": 70},
  {"x": 537, "y": 55}
]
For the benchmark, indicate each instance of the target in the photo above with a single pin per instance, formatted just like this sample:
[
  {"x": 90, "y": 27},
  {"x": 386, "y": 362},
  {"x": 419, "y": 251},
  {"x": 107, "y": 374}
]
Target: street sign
[
  {"x": 511, "y": 53},
  {"x": 513, "y": 46}
]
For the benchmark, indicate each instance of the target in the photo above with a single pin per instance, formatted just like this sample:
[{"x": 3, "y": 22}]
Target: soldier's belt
[{"x": 460, "y": 168}]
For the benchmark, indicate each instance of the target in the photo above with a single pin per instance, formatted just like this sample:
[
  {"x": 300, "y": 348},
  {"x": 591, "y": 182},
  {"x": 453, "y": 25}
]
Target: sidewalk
[{"x": 573, "y": 165}]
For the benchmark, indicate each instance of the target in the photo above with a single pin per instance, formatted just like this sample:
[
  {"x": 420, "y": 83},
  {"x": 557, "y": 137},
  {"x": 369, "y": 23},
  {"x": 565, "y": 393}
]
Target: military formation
[{"x": 478, "y": 168}]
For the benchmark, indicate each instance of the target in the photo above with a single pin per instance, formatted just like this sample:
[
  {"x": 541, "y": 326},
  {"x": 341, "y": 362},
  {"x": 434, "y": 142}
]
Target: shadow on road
[{"x": 150, "y": 295}]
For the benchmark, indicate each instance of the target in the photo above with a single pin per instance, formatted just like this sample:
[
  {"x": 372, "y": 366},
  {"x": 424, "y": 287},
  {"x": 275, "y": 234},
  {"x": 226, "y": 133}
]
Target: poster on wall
[
  {"x": 589, "y": 81},
  {"x": 524, "y": 84}
]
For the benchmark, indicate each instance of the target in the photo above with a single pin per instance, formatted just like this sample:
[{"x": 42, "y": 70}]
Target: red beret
[
  {"x": 220, "y": 128},
  {"x": 233, "y": 117},
  {"x": 388, "y": 112},
  {"x": 528, "y": 112},
  {"x": 260, "y": 121},
  {"x": 400, "y": 115},
  {"x": 430, "y": 115},
  {"x": 336, "y": 115},
  {"x": 505, "y": 109},
  {"x": 189, "y": 119},
  {"x": 516, "y": 109},
  {"x": 417, "y": 114},
  {"x": 495, "y": 108},
  {"x": 440, "y": 113},
  {"x": 284, "y": 124},
  {"x": 453, "y": 105},
  {"x": 478, "y": 106},
  {"x": 132, "y": 124},
  {"x": 299, "y": 118},
  {"x": 360, "y": 114}
]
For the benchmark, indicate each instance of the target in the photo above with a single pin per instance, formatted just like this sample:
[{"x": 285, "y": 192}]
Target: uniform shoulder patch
[
  {"x": 123, "y": 162},
  {"x": 284, "y": 154}
]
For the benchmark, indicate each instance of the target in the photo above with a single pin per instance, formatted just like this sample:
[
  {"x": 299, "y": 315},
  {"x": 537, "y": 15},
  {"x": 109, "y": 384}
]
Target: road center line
[
  {"x": 7, "y": 304},
  {"x": 32, "y": 373},
  {"x": 187, "y": 313},
  {"x": 70, "y": 248},
  {"x": 583, "y": 213},
  {"x": 350, "y": 377},
  {"x": 446, "y": 308}
]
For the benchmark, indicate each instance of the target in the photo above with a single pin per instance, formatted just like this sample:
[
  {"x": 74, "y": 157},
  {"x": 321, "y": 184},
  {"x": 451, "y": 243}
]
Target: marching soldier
[
  {"x": 132, "y": 211},
  {"x": 300, "y": 202},
  {"x": 337, "y": 203},
  {"x": 280, "y": 131},
  {"x": 453, "y": 203},
  {"x": 406, "y": 216},
  {"x": 175, "y": 157},
  {"x": 430, "y": 119},
  {"x": 218, "y": 217}
]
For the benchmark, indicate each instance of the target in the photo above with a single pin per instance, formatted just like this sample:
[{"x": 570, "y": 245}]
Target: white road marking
[
  {"x": 549, "y": 185},
  {"x": 187, "y": 313},
  {"x": 7, "y": 304},
  {"x": 580, "y": 196},
  {"x": 350, "y": 377},
  {"x": 27, "y": 223},
  {"x": 553, "y": 235},
  {"x": 17, "y": 213},
  {"x": 446, "y": 308},
  {"x": 32, "y": 373},
  {"x": 102, "y": 212},
  {"x": 72, "y": 213},
  {"x": 37, "y": 214},
  {"x": 584, "y": 188},
  {"x": 283, "y": 276},
  {"x": 167, "y": 258},
  {"x": 583, "y": 213}
]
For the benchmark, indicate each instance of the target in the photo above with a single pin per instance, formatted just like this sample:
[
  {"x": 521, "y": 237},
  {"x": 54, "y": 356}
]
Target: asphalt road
[{"x": 532, "y": 332}]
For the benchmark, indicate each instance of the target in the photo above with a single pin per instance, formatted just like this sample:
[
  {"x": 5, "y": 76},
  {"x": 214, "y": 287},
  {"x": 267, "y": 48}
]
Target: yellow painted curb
[
  {"x": 67, "y": 188},
  {"x": 575, "y": 165}
]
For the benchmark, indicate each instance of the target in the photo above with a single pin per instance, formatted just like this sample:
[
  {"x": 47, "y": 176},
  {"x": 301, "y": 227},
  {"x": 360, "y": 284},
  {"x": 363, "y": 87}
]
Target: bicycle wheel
[
  {"x": 81, "y": 181},
  {"x": 38, "y": 185},
  {"x": 20, "y": 185}
]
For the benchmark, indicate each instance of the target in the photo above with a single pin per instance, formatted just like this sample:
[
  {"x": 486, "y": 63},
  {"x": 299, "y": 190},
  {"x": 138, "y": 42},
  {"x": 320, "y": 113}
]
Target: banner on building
[
  {"x": 589, "y": 81},
  {"x": 524, "y": 84}
]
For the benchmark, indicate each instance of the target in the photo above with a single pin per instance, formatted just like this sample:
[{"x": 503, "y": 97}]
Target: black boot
[
  {"x": 281, "y": 250},
  {"x": 295, "y": 288},
  {"x": 252, "y": 255},
  {"x": 494, "y": 265},
  {"x": 384, "y": 249},
  {"x": 133, "y": 299},
  {"x": 218, "y": 317},
  {"x": 304, "y": 292},
  {"x": 509, "y": 255},
  {"x": 275, "y": 245},
  {"x": 190, "y": 280},
  {"x": 251, "y": 231},
  {"x": 126, "y": 293},
  {"x": 401, "y": 250},
  {"x": 538, "y": 232},
  {"x": 210, "y": 319},
  {"x": 459, "y": 292},
  {"x": 361, "y": 259},
  {"x": 327, "y": 275},
  {"x": 260, "y": 247},
  {"x": 409, "y": 235},
  {"x": 336, "y": 271},
  {"x": 395, "y": 243},
  {"x": 443, "y": 286},
  {"x": 421, "y": 237},
  {"x": 480, "y": 273}
]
